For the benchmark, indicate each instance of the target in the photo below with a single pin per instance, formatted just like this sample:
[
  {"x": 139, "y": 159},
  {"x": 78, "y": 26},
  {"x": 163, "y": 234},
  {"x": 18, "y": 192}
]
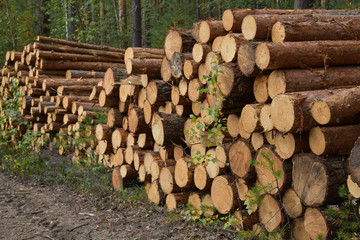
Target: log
[
  {"x": 177, "y": 63},
  {"x": 113, "y": 76},
  {"x": 190, "y": 70},
  {"x": 107, "y": 101},
  {"x": 246, "y": 57},
  {"x": 118, "y": 138},
  {"x": 298, "y": 229},
  {"x": 157, "y": 92},
  {"x": 272, "y": 172},
  {"x": 316, "y": 180},
  {"x": 216, "y": 44},
  {"x": 315, "y": 224},
  {"x": 177, "y": 99},
  {"x": 155, "y": 194},
  {"x": 114, "y": 118},
  {"x": 141, "y": 53},
  {"x": 64, "y": 65},
  {"x": 244, "y": 134},
  {"x": 50, "y": 84},
  {"x": 354, "y": 163},
  {"x": 166, "y": 180},
  {"x": 232, "y": 124},
  {"x": 150, "y": 157},
  {"x": 297, "y": 108},
  {"x": 138, "y": 159},
  {"x": 128, "y": 172},
  {"x": 145, "y": 140},
  {"x": 230, "y": 45},
  {"x": 104, "y": 147},
  {"x": 70, "y": 74},
  {"x": 117, "y": 180},
  {"x": 209, "y": 30},
  {"x": 250, "y": 117},
  {"x": 183, "y": 174},
  {"x": 137, "y": 121},
  {"x": 201, "y": 178},
  {"x": 178, "y": 40},
  {"x": 165, "y": 128},
  {"x": 200, "y": 51},
  {"x": 257, "y": 140},
  {"x": 292, "y": 204},
  {"x": 240, "y": 154},
  {"x": 325, "y": 140},
  {"x": 331, "y": 28},
  {"x": 289, "y": 144},
  {"x": 118, "y": 158},
  {"x": 103, "y": 132},
  {"x": 165, "y": 70},
  {"x": 295, "y": 80},
  {"x": 194, "y": 90},
  {"x": 143, "y": 66},
  {"x": 175, "y": 200},
  {"x": 156, "y": 167},
  {"x": 354, "y": 189},
  {"x": 51, "y": 55},
  {"x": 74, "y": 90},
  {"x": 270, "y": 214},
  {"x": 323, "y": 53},
  {"x": 203, "y": 73},
  {"x": 265, "y": 118},
  {"x": 223, "y": 194},
  {"x": 260, "y": 88},
  {"x": 194, "y": 201},
  {"x": 339, "y": 108}
]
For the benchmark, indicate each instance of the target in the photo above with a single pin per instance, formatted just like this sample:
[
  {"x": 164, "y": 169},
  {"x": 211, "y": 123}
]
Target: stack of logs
[{"x": 291, "y": 105}]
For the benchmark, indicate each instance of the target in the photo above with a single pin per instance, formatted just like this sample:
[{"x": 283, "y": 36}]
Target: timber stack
[{"x": 287, "y": 83}]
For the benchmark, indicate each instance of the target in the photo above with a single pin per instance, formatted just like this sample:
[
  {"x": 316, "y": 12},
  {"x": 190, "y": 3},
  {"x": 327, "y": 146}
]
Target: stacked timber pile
[{"x": 286, "y": 103}]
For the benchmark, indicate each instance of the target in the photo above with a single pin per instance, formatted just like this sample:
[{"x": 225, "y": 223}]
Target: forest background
[{"x": 121, "y": 23}]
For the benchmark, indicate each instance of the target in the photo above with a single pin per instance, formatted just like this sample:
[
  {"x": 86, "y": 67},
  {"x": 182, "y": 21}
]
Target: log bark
[
  {"x": 295, "y": 80},
  {"x": 143, "y": 66},
  {"x": 114, "y": 118},
  {"x": 64, "y": 65},
  {"x": 143, "y": 53},
  {"x": 317, "y": 180},
  {"x": 331, "y": 28},
  {"x": 113, "y": 76},
  {"x": 325, "y": 140},
  {"x": 354, "y": 163},
  {"x": 296, "y": 54},
  {"x": 209, "y": 30},
  {"x": 70, "y": 74},
  {"x": 177, "y": 63},
  {"x": 165, "y": 128},
  {"x": 340, "y": 108},
  {"x": 74, "y": 90},
  {"x": 51, "y": 55}
]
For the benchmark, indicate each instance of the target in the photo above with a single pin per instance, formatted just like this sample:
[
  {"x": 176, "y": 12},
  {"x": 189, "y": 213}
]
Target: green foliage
[{"x": 345, "y": 217}]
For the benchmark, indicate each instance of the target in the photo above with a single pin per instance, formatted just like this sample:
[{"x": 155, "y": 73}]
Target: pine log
[
  {"x": 104, "y": 147},
  {"x": 95, "y": 92},
  {"x": 156, "y": 167},
  {"x": 232, "y": 124},
  {"x": 260, "y": 88},
  {"x": 177, "y": 99},
  {"x": 103, "y": 132},
  {"x": 150, "y": 157},
  {"x": 265, "y": 118},
  {"x": 203, "y": 73},
  {"x": 141, "y": 53},
  {"x": 209, "y": 30},
  {"x": 246, "y": 57},
  {"x": 137, "y": 121},
  {"x": 175, "y": 200},
  {"x": 128, "y": 172},
  {"x": 194, "y": 90},
  {"x": 316, "y": 28},
  {"x": 165, "y": 70},
  {"x": 230, "y": 45},
  {"x": 64, "y": 65},
  {"x": 70, "y": 74},
  {"x": 145, "y": 141},
  {"x": 112, "y": 76},
  {"x": 51, "y": 55},
  {"x": 292, "y": 204},
  {"x": 291, "y": 112},
  {"x": 272, "y": 172},
  {"x": 165, "y": 128},
  {"x": 157, "y": 92},
  {"x": 295, "y": 80},
  {"x": 316, "y": 180},
  {"x": 155, "y": 194},
  {"x": 43, "y": 39},
  {"x": 340, "y": 108},
  {"x": 325, "y": 140},
  {"x": 190, "y": 70},
  {"x": 250, "y": 117},
  {"x": 201, "y": 178},
  {"x": 117, "y": 181},
  {"x": 138, "y": 159},
  {"x": 315, "y": 224},
  {"x": 178, "y": 40},
  {"x": 114, "y": 118},
  {"x": 200, "y": 51},
  {"x": 74, "y": 90},
  {"x": 296, "y": 54},
  {"x": 244, "y": 134},
  {"x": 177, "y": 63},
  {"x": 118, "y": 138},
  {"x": 298, "y": 230},
  {"x": 223, "y": 194},
  {"x": 240, "y": 154},
  {"x": 270, "y": 214},
  {"x": 257, "y": 140},
  {"x": 166, "y": 180},
  {"x": 289, "y": 144},
  {"x": 183, "y": 174},
  {"x": 107, "y": 101}
]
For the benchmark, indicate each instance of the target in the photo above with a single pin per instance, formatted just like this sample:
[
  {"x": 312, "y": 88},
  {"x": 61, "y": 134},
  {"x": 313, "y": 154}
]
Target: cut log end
[
  {"x": 228, "y": 19},
  {"x": 315, "y": 224},
  {"x": 261, "y": 88},
  {"x": 222, "y": 195},
  {"x": 277, "y": 84},
  {"x": 262, "y": 56},
  {"x": 249, "y": 27},
  {"x": 317, "y": 141},
  {"x": 270, "y": 214},
  {"x": 282, "y": 113},
  {"x": 321, "y": 112},
  {"x": 172, "y": 43},
  {"x": 278, "y": 33},
  {"x": 204, "y": 32},
  {"x": 292, "y": 204},
  {"x": 246, "y": 58}
]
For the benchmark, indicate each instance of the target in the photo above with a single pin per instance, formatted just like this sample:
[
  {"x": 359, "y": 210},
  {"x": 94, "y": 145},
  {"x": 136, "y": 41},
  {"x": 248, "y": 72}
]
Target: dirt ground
[{"x": 29, "y": 210}]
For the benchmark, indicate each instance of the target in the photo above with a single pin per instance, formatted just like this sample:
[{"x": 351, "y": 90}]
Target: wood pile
[{"x": 291, "y": 106}]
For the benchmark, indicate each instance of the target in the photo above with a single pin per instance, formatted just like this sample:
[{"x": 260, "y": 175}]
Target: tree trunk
[{"x": 136, "y": 23}]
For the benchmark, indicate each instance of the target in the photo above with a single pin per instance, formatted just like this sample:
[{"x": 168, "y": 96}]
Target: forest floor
[{"x": 30, "y": 209}]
